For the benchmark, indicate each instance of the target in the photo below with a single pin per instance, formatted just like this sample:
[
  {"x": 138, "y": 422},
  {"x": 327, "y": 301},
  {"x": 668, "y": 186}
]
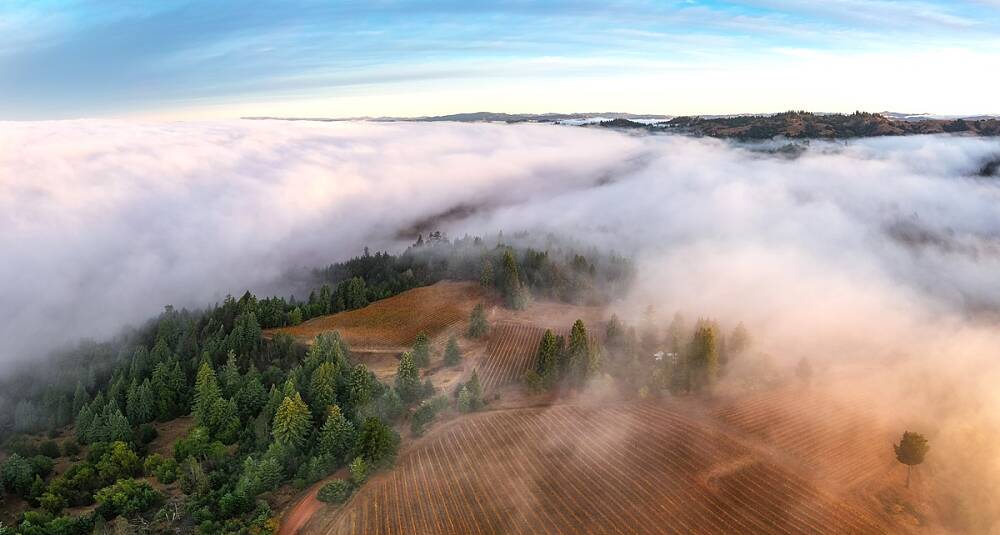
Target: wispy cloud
[{"x": 66, "y": 59}]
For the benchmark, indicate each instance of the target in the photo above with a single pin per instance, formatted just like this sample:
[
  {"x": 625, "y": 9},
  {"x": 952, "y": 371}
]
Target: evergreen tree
[
  {"x": 361, "y": 386},
  {"x": 615, "y": 333},
  {"x": 578, "y": 356},
  {"x": 117, "y": 426},
  {"x": 377, "y": 443},
  {"x": 408, "y": 379},
  {"x": 206, "y": 396},
  {"x": 703, "y": 361},
  {"x": 225, "y": 421},
  {"x": 422, "y": 350},
  {"x": 359, "y": 471},
  {"x": 80, "y": 397},
  {"x": 355, "y": 294},
  {"x": 514, "y": 293},
  {"x": 487, "y": 277},
  {"x": 141, "y": 403},
  {"x": 292, "y": 422},
  {"x": 336, "y": 437},
  {"x": 452, "y": 355},
  {"x": 478, "y": 326},
  {"x": 295, "y": 316},
  {"x": 545, "y": 362},
  {"x": 230, "y": 378},
  {"x": 132, "y": 402},
  {"x": 322, "y": 389},
  {"x": 82, "y": 424},
  {"x": 251, "y": 397},
  {"x": 464, "y": 399}
]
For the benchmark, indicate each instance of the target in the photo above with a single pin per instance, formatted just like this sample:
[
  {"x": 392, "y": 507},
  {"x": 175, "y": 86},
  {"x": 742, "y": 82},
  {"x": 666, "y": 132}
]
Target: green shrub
[
  {"x": 127, "y": 497},
  {"x": 336, "y": 491}
]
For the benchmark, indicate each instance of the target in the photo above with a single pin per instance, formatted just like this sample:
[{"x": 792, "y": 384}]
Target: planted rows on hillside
[
  {"x": 832, "y": 442},
  {"x": 568, "y": 469}
]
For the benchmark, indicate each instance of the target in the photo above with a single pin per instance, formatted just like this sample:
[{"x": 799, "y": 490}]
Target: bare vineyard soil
[{"x": 636, "y": 468}]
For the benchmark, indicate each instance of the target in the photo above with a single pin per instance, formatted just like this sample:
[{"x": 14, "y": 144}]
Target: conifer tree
[
  {"x": 514, "y": 293},
  {"x": 251, "y": 397},
  {"x": 206, "y": 395},
  {"x": 578, "y": 354},
  {"x": 117, "y": 426},
  {"x": 322, "y": 389},
  {"x": 452, "y": 355},
  {"x": 361, "y": 387},
  {"x": 703, "y": 359},
  {"x": 545, "y": 363},
  {"x": 82, "y": 424},
  {"x": 291, "y": 422},
  {"x": 80, "y": 397},
  {"x": 478, "y": 326},
  {"x": 377, "y": 442},
  {"x": 464, "y": 399},
  {"x": 408, "y": 379},
  {"x": 225, "y": 421},
  {"x": 487, "y": 277},
  {"x": 422, "y": 350},
  {"x": 229, "y": 378},
  {"x": 336, "y": 437}
]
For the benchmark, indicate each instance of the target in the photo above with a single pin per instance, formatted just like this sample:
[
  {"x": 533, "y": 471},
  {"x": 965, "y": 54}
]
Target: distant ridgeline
[
  {"x": 805, "y": 125},
  {"x": 544, "y": 267}
]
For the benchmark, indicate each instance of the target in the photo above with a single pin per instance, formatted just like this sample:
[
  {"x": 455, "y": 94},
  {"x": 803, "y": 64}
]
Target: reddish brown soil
[
  {"x": 396, "y": 321},
  {"x": 637, "y": 468}
]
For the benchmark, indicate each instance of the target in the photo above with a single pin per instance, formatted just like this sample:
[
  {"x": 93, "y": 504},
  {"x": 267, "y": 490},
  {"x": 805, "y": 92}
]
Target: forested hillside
[{"x": 80, "y": 439}]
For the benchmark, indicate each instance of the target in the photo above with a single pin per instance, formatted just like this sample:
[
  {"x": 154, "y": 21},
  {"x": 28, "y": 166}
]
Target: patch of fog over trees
[{"x": 877, "y": 254}]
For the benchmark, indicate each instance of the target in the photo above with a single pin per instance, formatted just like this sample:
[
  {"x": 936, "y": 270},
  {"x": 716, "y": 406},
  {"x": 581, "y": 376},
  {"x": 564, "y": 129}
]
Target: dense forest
[
  {"x": 806, "y": 125},
  {"x": 264, "y": 413}
]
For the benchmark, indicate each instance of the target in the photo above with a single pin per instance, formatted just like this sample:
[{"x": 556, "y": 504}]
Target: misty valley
[{"x": 457, "y": 326}]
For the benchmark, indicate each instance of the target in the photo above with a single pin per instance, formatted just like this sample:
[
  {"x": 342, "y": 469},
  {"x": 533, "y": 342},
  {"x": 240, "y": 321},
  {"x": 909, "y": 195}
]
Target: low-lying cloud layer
[{"x": 880, "y": 253}]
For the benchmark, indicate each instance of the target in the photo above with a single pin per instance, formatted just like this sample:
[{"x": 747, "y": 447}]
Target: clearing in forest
[{"x": 395, "y": 322}]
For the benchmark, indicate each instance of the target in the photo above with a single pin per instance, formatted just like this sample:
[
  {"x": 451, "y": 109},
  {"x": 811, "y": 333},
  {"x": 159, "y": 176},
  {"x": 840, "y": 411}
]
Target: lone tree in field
[
  {"x": 477, "y": 322},
  {"x": 911, "y": 451}
]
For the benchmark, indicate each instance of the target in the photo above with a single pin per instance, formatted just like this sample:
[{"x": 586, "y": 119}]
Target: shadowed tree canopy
[{"x": 911, "y": 450}]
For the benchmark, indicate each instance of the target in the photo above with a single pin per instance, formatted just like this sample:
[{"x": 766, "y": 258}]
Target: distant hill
[
  {"x": 803, "y": 125},
  {"x": 493, "y": 117},
  {"x": 790, "y": 124}
]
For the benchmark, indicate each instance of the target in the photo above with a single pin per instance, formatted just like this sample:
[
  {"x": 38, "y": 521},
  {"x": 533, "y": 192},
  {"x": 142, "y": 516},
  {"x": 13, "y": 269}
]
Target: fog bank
[{"x": 878, "y": 256}]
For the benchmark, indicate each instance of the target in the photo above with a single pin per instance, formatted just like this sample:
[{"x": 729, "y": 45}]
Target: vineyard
[
  {"x": 573, "y": 469},
  {"x": 509, "y": 354},
  {"x": 396, "y": 321},
  {"x": 836, "y": 443}
]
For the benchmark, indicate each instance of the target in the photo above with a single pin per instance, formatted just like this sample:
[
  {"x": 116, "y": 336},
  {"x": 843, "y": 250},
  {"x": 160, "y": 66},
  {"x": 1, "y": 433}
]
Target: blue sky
[{"x": 65, "y": 59}]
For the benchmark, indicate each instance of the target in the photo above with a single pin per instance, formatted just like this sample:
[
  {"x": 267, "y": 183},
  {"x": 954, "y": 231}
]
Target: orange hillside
[{"x": 396, "y": 321}]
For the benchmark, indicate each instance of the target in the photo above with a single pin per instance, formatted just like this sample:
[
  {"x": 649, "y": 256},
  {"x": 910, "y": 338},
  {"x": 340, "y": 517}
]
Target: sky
[{"x": 194, "y": 60}]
